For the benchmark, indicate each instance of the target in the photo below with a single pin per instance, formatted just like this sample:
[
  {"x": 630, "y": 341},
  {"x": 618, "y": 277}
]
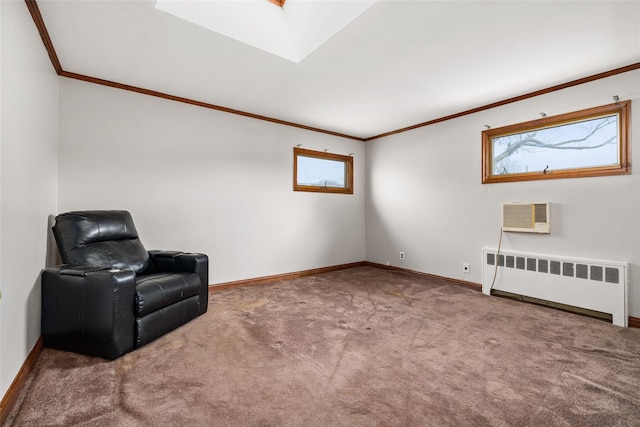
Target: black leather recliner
[{"x": 111, "y": 296}]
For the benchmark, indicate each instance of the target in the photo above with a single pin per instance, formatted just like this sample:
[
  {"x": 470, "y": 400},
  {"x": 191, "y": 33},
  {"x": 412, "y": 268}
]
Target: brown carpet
[{"x": 358, "y": 347}]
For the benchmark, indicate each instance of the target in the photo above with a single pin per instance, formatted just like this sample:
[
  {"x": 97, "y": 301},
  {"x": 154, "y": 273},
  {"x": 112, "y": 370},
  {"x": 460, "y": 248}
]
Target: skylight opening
[
  {"x": 278, "y": 2},
  {"x": 292, "y": 33}
]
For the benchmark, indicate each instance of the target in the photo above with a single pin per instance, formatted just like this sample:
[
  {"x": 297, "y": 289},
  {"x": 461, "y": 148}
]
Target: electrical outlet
[
  {"x": 402, "y": 256},
  {"x": 466, "y": 268}
]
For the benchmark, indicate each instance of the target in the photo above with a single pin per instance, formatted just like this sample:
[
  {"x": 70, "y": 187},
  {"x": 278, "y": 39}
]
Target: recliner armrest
[
  {"x": 88, "y": 311},
  {"x": 178, "y": 262},
  {"x": 184, "y": 262},
  {"x": 82, "y": 270},
  {"x": 164, "y": 261}
]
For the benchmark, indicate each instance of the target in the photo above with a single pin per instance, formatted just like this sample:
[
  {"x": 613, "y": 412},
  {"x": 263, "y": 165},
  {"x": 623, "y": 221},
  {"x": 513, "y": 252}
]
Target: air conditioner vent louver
[
  {"x": 540, "y": 212},
  {"x": 526, "y": 217}
]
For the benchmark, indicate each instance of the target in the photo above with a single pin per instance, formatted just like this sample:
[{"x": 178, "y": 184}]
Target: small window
[
  {"x": 593, "y": 142},
  {"x": 322, "y": 172}
]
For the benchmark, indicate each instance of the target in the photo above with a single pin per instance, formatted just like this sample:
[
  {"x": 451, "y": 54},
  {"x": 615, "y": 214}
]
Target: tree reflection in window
[{"x": 592, "y": 142}]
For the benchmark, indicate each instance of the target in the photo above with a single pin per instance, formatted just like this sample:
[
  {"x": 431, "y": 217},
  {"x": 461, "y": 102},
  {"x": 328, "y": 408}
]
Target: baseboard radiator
[{"x": 588, "y": 284}]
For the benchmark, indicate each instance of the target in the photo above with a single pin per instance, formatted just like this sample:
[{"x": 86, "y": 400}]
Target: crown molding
[
  {"x": 550, "y": 89},
  {"x": 189, "y": 101},
  {"x": 32, "y": 5}
]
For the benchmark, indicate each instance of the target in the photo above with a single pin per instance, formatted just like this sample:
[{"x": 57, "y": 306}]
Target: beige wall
[
  {"x": 196, "y": 179},
  {"x": 28, "y": 179},
  {"x": 425, "y": 196}
]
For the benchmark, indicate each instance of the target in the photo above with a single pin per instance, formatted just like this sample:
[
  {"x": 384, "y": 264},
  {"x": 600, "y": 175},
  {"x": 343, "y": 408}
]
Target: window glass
[
  {"x": 586, "y": 143},
  {"x": 322, "y": 172}
]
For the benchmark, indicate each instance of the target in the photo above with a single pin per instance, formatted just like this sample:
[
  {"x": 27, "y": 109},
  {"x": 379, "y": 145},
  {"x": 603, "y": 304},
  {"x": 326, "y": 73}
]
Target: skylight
[
  {"x": 292, "y": 30},
  {"x": 278, "y": 2}
]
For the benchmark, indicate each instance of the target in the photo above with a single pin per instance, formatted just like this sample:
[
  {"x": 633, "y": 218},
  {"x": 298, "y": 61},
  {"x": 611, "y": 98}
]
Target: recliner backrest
[{"x": 100, "y": 239}]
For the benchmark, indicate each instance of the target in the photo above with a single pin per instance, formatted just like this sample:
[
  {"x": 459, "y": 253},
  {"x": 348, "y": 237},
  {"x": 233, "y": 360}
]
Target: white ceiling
[
  {"x": 291, "y": 32},
  {"x": 399, "y": 63}
]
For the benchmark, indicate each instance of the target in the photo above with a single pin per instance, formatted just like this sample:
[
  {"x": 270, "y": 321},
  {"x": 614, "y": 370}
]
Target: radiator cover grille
[{"x": 586, "y": 283}]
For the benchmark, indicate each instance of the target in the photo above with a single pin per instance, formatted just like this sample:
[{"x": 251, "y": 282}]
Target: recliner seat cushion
[{"x": 155, "y": 291}]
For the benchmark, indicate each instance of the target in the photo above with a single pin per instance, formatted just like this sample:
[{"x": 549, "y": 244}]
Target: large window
[
  {"x": 593, "y": 142},
  {"x": 322, "y": 172}
]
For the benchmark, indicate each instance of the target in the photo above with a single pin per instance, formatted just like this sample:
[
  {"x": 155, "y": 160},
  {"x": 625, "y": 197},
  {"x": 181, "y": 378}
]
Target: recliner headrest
[
  {"x": 82, "y": 227},
  {"x": 100, "y": 239}
]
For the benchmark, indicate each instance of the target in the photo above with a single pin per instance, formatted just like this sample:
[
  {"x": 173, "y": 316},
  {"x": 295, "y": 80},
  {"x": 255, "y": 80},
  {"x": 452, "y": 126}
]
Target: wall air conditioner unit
[{"x": 526, "y": 217}]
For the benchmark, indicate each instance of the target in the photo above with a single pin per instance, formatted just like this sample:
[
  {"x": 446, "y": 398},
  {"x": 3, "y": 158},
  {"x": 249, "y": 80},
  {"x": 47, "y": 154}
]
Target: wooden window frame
[
  {"x": 621, "y": 109},
  {"x": 348, "y": 179}
]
